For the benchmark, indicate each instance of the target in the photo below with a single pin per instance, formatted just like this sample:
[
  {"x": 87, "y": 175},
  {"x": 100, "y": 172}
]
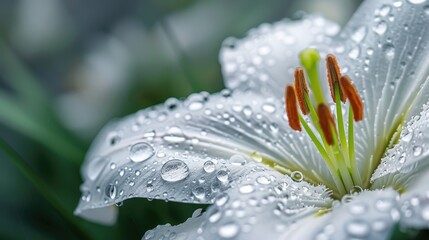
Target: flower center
[{"x": 326, "y": 131}]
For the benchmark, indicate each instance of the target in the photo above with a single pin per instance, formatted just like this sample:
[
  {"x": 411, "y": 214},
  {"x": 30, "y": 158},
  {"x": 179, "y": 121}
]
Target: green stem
[
  {"x": 355, "y": 171},
  {"x": 340, "y": 124},
  {"x": 37, "y": 182}
]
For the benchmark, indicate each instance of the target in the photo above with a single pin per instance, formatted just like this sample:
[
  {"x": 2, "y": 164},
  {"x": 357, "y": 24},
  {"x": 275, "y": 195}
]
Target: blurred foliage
[{"x": 68, "y": 67}]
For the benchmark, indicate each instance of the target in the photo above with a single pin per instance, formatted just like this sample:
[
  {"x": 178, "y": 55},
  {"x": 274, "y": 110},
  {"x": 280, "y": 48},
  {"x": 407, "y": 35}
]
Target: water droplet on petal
[
  {"x": 199, "y": 192},
  {"x": 384, "y": 10},
  {"x": 359, "y": 34},
  {"x": 209, "y": 167},
  {"x": 174, "y": 170},
  {"x": 269, "y": 108},
  {"x": 380, "y": 28},
  {"x": 417, "y": 151},
  {"x": 297, "y": 176},
  {"x": 221, "y": 199},
  {"x": 228, "y": 230},
  {"x": 174, "y": 135},
  {"x": 222, "y": 176},
  {"x": 111, "y": 191},
  {"x": 140, "y": 152},
  {"x": 263, "y": 180},
  {"x": 425, "y": 213},
  {"x": 248, "y": 188},
  {"x": 358, "y": 228},
  {"x": 416, "y": 1},
  {"x": 389, "y": 51}
]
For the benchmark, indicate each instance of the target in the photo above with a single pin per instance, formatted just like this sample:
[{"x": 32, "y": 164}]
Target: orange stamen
[
  {"x": 334, "y": 75},
  {"x": 352, "y": 94},
  {"x": 326, "y": 121},
  {"x": 292, "y": 109},
  {"x": 301, "y": 87}
]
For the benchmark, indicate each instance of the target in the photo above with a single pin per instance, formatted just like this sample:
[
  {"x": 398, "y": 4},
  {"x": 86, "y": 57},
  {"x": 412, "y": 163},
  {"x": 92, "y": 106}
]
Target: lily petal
[
  {"x": 266, "y": 58},
  {"x": 259, "y": 205},
  {"x": 369, "y": 215},
  {"x": 190, "y": 151},
  {"x": 408, "y": 159},
  {"x": 384, "y": 48}
]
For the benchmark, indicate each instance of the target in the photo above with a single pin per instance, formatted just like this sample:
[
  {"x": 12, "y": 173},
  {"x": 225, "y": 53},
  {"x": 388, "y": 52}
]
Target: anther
[
  {"x": 334, "y": 75},
  {"x": 352, "y": 94},
  {"x": 292, "y": 108},
  {"x": 326, "y": 121},
  {"x": 301, "y": 89}
]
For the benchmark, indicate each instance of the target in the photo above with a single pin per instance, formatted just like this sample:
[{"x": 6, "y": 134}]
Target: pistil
[{"x": 328, "y": 134}]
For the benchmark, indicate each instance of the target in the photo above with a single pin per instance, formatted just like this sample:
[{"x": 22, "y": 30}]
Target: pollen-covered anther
[
  {"x": 352, "y": 94},
  {"x": 327, "y": 122},
  {"x": 301, "y": 89},
  {"x": 292, "y": 108},
  {"x": 334, "y": 75}
]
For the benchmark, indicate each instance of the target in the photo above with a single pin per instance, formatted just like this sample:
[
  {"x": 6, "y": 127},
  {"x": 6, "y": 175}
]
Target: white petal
[
  {"x": 190, "y": 151},
  {"x": 386, "y": 44},
  {"x": 260, "y": 205},
  {"x": 369, "y": 215},
  {"x": 407, "y": 159},
  {"x": 267, "y": 57}
]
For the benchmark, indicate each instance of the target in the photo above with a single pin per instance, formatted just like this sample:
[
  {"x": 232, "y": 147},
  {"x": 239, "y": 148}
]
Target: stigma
[{"x": 308, "y": 108}]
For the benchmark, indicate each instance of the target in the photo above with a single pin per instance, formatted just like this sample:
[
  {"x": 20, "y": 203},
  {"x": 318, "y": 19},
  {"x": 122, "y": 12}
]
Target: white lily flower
[{"x": 339, "y": 179}]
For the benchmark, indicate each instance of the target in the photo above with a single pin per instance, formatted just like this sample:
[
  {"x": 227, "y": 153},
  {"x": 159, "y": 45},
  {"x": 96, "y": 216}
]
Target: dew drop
[
  {"x": 380, "y": 28},
  {"x": 141, "y": 152},
  {"x": 174, "y": 170},
  {"x": 194, "y": 106},
  {"x": 246, "y": 189},
  {"x": 174, "y": 135},
  {"x": 238, "y": 160},
  {"x": 389, "y": 51},
  {"x": 111, "y": 191},
  {"x": 199, "y": 192},
  {"x": 417, "y": 151},
  {"x": 407, "y": 136},
  {"x": 416, "y": 1},
  {"x": 222, "y": 199},
  {"x": 228, "y": 230},
  {"x": 384, "y": 205},
  {"x": 359, "y": 34},
  {"x": 215, "y": 216},
  {"x": 113, "y": 138},
  {"x": 112, "y": 166},
  {"x": 425, "y": 213},
  {"x": 269, "y": 108},
  {"x": 297, "y": 176},
  {"x": 358, "y": 208},
  {"x": 222, "y": 176},
  {"x": 354, "y": 53},
  {"x": 384, "y": 10},
  {"x": 263, "y": 180},
  {"x": 209, "y": 167},
  {"x": 358, "y": 229}
]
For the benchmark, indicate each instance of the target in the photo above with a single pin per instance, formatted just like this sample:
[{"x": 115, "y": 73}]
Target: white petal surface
[
  {"x": 190, "y": 151},
  {"x": 267, "y": 57},
  {"x": 384, "y": 50},
  {"x": 407, "y": 160},
  {"x": 260, "y": 205},
  {"x": 369, "y": 215}
]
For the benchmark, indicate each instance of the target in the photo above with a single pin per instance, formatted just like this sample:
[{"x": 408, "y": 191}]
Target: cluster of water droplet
[
  {"x": 260, "y": 195},
  {"x": 405, "y": 158},
  {"x": 270, "y": 52}
]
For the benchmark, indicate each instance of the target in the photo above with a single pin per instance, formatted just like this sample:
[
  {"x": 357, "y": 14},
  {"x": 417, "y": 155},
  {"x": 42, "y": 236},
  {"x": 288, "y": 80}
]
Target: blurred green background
[{"x": 67, "y": 67}]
